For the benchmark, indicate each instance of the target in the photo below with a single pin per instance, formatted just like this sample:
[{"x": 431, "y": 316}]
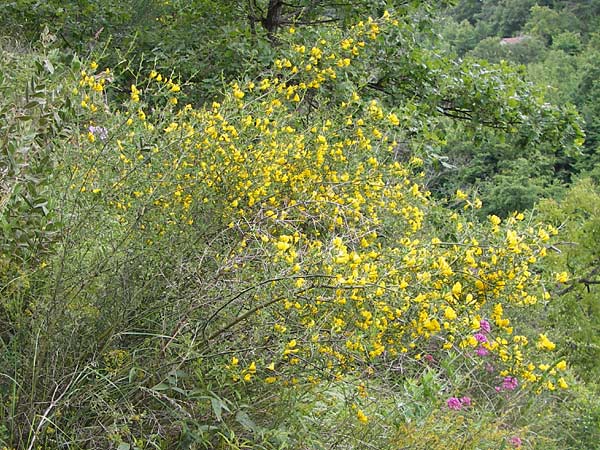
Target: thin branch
[
  {"x": 586, "y": 281},
  {"x": 308, "y": 23}
]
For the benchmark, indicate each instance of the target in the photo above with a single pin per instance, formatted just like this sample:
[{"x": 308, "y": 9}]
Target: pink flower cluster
[
  {"x": 482, "y": 351},
  {"x": 457, "y": 404},
  {"x": 485, "y": 326},
  {"x": 482, "y": 338},
  {"x": 515, "y": 441},
  {"x": 508, "y": 384}
]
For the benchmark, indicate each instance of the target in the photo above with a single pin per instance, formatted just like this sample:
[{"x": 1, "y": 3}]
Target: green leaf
[
  {"x": 218, "y": 405},
  {"x": 161, "y": 387},
  {"x": 217, "y": 408},
  {"x": 244, "y": 420}
]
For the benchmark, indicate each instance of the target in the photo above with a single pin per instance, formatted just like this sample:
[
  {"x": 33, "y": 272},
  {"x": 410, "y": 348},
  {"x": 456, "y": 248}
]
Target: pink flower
[
  {"x": 510, "y": 383},
  {"x": 466, "y": 401},
  {"x": 485, "y": 326},
  {"x": 480, "y": 337},
  {"x": 481, "y": 351},
  {"x": 454, "y": 403},
  {"x": 515, "y": 441}
]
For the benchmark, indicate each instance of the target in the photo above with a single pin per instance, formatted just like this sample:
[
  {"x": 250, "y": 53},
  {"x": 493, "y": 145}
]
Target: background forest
[{"x": 299, "y": 225}]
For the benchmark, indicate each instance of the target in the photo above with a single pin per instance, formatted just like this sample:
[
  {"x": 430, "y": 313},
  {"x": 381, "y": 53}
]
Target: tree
[
  {"x": 462, "y": 37},
  {"x": 547, "y": 23}
]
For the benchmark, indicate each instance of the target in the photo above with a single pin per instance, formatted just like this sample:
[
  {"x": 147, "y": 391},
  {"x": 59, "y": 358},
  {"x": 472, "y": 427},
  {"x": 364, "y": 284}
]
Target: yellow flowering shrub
[{"x": 313, "y": 252}]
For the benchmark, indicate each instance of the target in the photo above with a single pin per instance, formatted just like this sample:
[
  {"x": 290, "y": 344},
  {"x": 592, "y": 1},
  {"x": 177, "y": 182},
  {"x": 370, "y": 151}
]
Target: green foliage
[
  {"x": 28, "y": 124},
  {"x": 249, "y": 258},
  {"x": 576, "y": 315},
  {"x": 560, "y": 73},
  {"x": 557, "y": 47},
  {"x": 548, "y": 23},
  {"x": 492, "y": 17},
  {"x": 461, "y": 36},
  {"x": 207, "y": 41},
  {"x": 34, "y": 115},
  {"x": 568, "y": 42}
]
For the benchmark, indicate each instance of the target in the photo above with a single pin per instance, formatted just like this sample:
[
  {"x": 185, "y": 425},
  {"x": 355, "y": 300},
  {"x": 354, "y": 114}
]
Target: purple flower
[
  {"x": 485, "y": 326},
  {"x": 482, "y": 351},
  {"x": 510, "y": 383},
  {"x": 515, "y": 441},
  {"x": 466, "y": 401},
  {"x": 480, "y": 337},
  {"x": 454, "y": 403},
  {"x": 101, "y": 132}
]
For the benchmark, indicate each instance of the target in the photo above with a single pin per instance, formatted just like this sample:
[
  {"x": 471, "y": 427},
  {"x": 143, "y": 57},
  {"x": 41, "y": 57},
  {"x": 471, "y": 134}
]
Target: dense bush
[{"x": 268, "y": 270}]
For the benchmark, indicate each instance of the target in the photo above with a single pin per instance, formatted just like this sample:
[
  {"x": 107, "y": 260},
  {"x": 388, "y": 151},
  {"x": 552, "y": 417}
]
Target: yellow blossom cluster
[{"x": 316, "y": 202}]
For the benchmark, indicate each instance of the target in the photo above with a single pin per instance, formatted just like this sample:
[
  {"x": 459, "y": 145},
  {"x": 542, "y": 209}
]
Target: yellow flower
[
  {"x": 460, "y": 195},
  {"x": 545, "y": 344},
  {"x": 495, "y": 220},
  {"x": 361, "y": 416},
  {"x": 562, "y": 383},
  {"x": 135, "y": 94},
  {"x": 282, "y": 246},
  {"x": 432, "y": 325},
  {"x": 316, "y": 52},
  {"x": 457, "y": 289},
  {"x": 449, "y": 313},
  {"x": 172, "y": 127},
  {"x": 562, "y": 277},
  {"x": 237, "y": 93}
]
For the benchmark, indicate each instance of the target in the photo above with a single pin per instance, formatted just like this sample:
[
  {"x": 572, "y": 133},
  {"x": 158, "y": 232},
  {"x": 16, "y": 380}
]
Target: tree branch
[{"x": 586, "y": 281}]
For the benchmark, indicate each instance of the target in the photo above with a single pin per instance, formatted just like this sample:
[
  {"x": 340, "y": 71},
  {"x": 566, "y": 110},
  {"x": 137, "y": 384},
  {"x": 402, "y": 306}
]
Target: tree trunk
[{"x": 273, "y": 19}]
